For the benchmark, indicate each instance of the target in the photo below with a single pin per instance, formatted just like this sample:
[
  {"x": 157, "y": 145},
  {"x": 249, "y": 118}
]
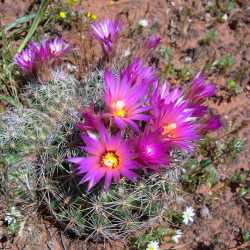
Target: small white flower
[
  {"x": 177, "y": 236},
  {"x": 188, "y": 215},
  {"x": 9, "y": 219},
  {"x": 225, "y": 17},
  {"x": 153, "y": 245},
  {"x": 143, "y": 22}
]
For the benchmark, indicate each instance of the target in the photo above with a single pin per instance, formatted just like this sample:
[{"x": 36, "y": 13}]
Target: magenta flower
[
  {"x": 58, "y": 47},
  {"x": 34, "y": 46},
  {"x": 177, "y": 125},
  {"x": 212, "y": 124},
  {"x": 50, "y": 49},
  {"x": 198, "y": 110},
  {"x": 106, "y": 32},
  {"x": 152, "y": 42},
  {"x": 43, "y": 52},
  {"x": 26, "y": 59},
  {"x": 163, "y": 94},
  {"x": 200, "y": 89},
  {"x": 151, "y": 150},
  {"x": 124, "y": 102},
  {"x": 138, "y": 73},
  {"x": 107, "y": 157},
  {"x": 91, "y": 121},
  {"x": 179, "y": 117}
]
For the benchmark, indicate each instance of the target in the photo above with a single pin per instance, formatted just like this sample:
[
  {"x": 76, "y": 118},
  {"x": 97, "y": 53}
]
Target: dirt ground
[{"x": 228, "y": 215}]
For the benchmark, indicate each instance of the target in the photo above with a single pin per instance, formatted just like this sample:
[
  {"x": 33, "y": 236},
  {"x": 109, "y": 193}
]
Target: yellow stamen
[
  {"x": 110, "y": 160},
  {"x": 119, "y": 109},
  {"x": 120, "y": 112},
  {"x": 170, "y": 130}
]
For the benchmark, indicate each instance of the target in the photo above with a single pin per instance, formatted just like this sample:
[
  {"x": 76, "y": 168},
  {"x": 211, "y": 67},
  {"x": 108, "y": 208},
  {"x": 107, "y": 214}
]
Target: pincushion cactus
[
  {"x": 100, "y": 214},
  {"x": 106, "y": 149}
]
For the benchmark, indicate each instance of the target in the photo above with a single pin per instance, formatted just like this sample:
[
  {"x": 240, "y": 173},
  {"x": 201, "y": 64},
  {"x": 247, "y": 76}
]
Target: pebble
[
  {"x": 205, "y": 213},
  {"x": 180, "y": 200},
  {"x": 188, "y": 59}
]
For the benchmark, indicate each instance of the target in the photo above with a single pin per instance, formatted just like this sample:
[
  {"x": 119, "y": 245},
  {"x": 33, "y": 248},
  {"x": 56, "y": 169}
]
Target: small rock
[
  {"x": 127, "y": 52},
  {"x": 207, "y": 17},
  {"x": 180, "y": 200},
  {"x": 188, "y": 59},
  {"x": 205, "y": 213}
]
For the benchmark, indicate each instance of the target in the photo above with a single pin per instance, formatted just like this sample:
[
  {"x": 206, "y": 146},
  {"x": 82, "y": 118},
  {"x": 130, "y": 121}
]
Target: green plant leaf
[
  {"x": 18, "y": 21},
  {"x": 10, "y": 100},
  {"x": 34, "y": 25}
]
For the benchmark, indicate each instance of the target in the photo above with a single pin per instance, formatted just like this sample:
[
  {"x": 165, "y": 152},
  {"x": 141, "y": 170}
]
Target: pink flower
[
  {"x": 26, "y": 60},
  {"x": 173, "y": 116},
  {"x": 91, "y": 121},
  {"x": 151, "y": 150},
  {"x": 200, "y": 89},
  {"x": 108, "y": 157},
  {"x": 152, "y": 42},
  {"x": 106, "y": 32},
  {"x": 137, "y": 73},
  {"x": 212, "y": 124},
  {"x": 177, "y": 126},
  {"x": 163, "y": 94},
  {"x": 41, "y": 53},
  {"x": 58, "y": 47},
  {"x": 125, "y": 103},
  {"x": 49, "y": 49}
]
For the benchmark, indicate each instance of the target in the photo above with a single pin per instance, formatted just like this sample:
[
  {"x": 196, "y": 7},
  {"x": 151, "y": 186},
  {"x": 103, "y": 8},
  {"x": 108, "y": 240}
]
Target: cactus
[
  {"x": 35, "y": 142},
  {"x": 26, "y": 131},
  {"x": 100, "y": 215}
]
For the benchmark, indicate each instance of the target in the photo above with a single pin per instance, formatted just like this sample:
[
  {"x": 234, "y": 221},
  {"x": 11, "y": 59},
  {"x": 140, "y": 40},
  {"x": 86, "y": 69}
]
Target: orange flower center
[
  {"x": 110, "y": 160},
  {"x": 170, "y": 130},
  {"x": 119, "y": 108}
]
